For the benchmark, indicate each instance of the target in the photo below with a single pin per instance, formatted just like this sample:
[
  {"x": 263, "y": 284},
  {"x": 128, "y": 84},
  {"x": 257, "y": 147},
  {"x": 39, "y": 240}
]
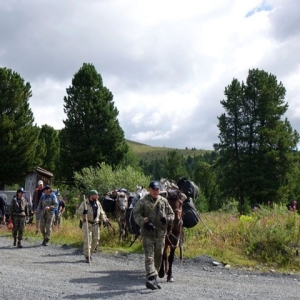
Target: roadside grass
[{"x": 265, "y": 240}]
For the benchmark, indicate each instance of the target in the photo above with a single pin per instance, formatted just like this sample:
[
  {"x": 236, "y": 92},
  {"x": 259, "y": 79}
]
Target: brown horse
[
  {"x": 174, "y": 237},
  {"x": 121, "y": 205}
]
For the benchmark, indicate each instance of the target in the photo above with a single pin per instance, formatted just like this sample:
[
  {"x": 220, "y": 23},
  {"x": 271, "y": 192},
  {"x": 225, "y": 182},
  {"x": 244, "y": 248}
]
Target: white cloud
[{"x": 166, "y": 62}]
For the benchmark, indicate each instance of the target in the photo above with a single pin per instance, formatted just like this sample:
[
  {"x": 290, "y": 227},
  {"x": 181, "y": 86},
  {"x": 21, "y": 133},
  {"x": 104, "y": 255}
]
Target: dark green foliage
[
  {"x": 257, "y": 160},
  {"x": 92, "y": 133},
  {"x": 18, "y": 136},
  {"x": 173, "y": 166},
  {"x": 49, "y": 137}
]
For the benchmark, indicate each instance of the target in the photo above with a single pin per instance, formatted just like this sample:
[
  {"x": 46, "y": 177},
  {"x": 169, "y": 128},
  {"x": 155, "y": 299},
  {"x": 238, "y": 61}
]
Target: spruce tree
[
  {"x": 92, "y": 133},
  {"x": 18, "y": 134}
]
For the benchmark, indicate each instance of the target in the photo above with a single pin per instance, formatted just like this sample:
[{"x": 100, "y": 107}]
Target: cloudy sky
[{"x": 166, "y": 62}]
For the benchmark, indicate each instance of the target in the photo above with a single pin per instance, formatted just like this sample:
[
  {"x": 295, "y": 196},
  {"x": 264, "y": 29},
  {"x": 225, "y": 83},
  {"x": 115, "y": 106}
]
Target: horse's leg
[
  {"x": 171, "y": 259},
  {"x": 161, "y": 272}
]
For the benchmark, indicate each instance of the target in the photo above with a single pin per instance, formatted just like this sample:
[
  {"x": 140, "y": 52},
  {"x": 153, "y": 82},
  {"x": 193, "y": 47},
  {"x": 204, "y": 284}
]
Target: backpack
[
  {"x": 190, "y": 216},
  {"x": 57, "y": 194}
]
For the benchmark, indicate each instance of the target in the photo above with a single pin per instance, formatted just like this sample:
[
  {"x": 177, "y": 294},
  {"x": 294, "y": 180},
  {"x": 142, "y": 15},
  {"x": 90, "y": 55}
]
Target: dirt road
[{"x": 59, "y": 272}]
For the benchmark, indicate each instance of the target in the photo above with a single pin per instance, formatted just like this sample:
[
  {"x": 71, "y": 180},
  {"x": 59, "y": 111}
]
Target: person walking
[
  {"x": 153, "y": 214},
  {"x": 37, "y": 194},
  {"x": 18, "y": 215},
  {"x": 90, "y": 210},
  {"x": 3, "y": 204},
  {"x": 46, "y": 207},
  {"x": 60, "y": 210}
]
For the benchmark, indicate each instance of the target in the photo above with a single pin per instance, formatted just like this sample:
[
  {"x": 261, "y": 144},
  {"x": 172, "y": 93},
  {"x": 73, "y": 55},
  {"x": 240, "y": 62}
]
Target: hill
[{"x": 146, "y": 152}]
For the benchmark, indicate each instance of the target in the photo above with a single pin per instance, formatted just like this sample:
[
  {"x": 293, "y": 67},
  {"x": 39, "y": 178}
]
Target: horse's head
[
  {"x": 141, "y": 192},
  {"x": 122, "y": 202},
  {"x": 175, "y": 199}
]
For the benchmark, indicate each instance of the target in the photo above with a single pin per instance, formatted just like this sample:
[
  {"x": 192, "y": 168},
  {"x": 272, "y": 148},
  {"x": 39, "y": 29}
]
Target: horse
[
  {"x": 174, "y": 236},
  {"x": 121, "y": 205}
]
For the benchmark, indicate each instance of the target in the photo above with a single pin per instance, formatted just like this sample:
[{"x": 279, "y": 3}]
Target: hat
[
  {"x": 20, "y": 190},
  {"x": 93, "y": 192},
  {"x": 154, "y": 185},
  {"x": 47, "y": 187},
  {"x": 40, "y": 182}
]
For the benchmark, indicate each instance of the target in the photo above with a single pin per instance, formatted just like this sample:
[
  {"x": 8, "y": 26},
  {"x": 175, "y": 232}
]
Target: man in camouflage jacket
[
  {"x": 153, "y": 214},
  {"x": 18, "y": 214}
]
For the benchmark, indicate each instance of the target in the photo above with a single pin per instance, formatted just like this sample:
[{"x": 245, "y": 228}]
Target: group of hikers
[
  {"x": 152, "y": 213},
  {"x": 47, "y": 206}
]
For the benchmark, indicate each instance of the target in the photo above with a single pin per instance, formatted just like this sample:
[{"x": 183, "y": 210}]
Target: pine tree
[
  {"x": 18, "y": 134},
  {"x": 257, "y": 160},
  {"x": 49, "y": 137},
  {"x": 92, "y": 133}
]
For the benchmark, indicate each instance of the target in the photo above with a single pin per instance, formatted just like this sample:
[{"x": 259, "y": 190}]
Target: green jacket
[{"x": 144, "y": 209}]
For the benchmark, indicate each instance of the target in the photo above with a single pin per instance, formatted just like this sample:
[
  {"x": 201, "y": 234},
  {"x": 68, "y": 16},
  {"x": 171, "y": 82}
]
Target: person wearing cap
[
  {"x": 153, "y": 214},
  {"x": 92, "y": 211},
  {"x": 37, "y": 194},
  {"x": 47, "y": 204},
  {"x": 18, "y": 215}
]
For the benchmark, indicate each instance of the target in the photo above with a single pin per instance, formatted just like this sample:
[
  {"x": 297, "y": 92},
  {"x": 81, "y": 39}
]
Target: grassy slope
[{"x": 147, "y": 152}]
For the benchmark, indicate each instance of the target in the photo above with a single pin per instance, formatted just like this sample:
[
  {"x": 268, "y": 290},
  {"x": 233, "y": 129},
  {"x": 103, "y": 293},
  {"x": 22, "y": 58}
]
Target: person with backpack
[
  {"x": 60, "y": 210},
  {"x": 153, "y": 214},
  {"x": 18, "y": 214},
  {"x": 46, "y": 207}
]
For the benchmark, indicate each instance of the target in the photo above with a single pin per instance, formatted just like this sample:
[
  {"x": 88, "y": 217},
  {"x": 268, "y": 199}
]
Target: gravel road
[{"x": 59, "y": 272}]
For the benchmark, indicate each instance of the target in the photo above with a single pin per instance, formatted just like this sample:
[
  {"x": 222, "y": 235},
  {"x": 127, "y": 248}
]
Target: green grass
[{"x": 147, "y": 152}]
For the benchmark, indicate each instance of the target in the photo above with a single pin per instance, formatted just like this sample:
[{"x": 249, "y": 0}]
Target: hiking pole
[{"x": 87, "y": 230}]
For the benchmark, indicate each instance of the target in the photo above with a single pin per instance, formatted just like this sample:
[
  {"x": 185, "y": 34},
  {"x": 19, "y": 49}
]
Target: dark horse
[{"x": 174, "y": 237}]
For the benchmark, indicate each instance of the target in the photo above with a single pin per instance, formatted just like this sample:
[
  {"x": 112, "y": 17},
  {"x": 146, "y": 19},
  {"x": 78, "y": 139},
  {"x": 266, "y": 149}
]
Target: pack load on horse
[
  {"x": 133, "y": 227},
  {"x": 174, "y": 236},
  {"x": 189, "y": 188},
  {"x": 190, "y": 215},
  {"x": 108, "y": 201}
]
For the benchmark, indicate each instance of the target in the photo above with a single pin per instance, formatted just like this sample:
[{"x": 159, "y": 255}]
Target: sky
[{"x": 166, "y": 62}]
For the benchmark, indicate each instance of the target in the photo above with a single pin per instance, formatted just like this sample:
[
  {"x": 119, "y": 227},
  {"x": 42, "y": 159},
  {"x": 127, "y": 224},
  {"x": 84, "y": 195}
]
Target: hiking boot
[
  {"x": 158, "y": 285},
  {"x": 15, "y": 241},
  {"x": 87, "y": 260},
  {"x": 151, "y": 283},
  {"x": 19, "y": 244},
  {"x": 45, "y": 242}
]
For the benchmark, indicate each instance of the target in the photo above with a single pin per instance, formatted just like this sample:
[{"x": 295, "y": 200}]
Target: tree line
[{"x": 256, "y": 160}]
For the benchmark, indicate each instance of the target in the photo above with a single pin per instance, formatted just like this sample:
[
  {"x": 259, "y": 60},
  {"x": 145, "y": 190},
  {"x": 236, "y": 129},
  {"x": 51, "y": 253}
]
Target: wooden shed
[{"x": 33, "y": 177}]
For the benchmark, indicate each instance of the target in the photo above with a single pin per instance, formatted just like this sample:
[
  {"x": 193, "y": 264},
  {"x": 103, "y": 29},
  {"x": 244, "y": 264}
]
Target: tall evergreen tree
[
  {"x": 92, "y": 133},
  {"x": 257, "y": 148},
  {"x": 49, "y": 137},
  {"x": 174, "y": 166},
  {"x": 18, "y": 134}
]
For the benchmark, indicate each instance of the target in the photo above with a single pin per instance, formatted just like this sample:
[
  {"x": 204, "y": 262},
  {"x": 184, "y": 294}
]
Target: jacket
[
  {"x": 101, "y": 216},
  {"x": 144, "y": 209},
  {"x": 18, "y": 207}
]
